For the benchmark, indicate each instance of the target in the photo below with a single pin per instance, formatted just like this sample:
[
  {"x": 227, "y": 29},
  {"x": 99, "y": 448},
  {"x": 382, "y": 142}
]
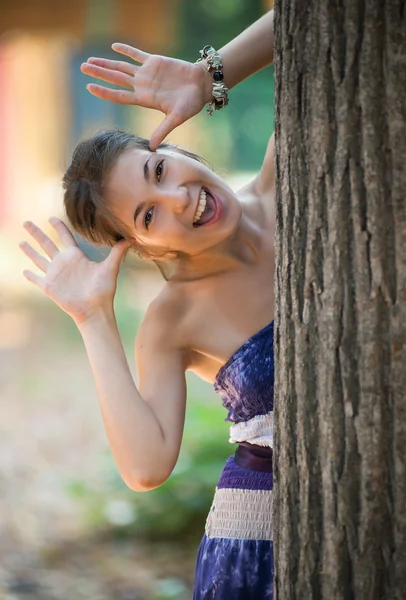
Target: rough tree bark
[{"x": 340, "y": 339}]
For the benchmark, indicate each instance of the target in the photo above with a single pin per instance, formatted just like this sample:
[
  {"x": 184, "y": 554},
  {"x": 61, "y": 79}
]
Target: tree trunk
[{"x": 340, "y": 338}]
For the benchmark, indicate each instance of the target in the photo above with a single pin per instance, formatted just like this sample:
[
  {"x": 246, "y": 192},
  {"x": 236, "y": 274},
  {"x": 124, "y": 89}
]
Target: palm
[
  {"x": 175, "y": 87},
  {"x": 168, "y": 85},
  {"x": 73, "y": 281},
  {"x": 76, "y": 284}
]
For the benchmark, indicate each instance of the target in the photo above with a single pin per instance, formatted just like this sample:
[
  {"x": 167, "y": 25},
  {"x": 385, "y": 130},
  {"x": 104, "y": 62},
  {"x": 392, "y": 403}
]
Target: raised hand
[
  {"x": 177, "y": 88},
  {"x": 80, "y": 287}
]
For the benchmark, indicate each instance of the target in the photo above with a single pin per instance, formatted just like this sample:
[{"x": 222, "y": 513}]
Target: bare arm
[
  {"x": 246, "y": 54},
  {"x": 144, "y": 429},
  {"x": 249, "y": 52},
  {"x": 265, "y": 180},
  {"x": 144, "y": 426}
]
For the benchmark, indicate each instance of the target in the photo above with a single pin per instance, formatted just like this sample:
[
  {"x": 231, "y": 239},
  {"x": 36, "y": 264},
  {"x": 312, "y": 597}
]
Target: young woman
[{"x": 214, "y": 315}]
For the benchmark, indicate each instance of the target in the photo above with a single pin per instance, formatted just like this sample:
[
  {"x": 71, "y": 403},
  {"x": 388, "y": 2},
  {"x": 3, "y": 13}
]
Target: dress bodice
[
  {"x": 246, "y": 382},
  {"x": 237, "y": 549}
]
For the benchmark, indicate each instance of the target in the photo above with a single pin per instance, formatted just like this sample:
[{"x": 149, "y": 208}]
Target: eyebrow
[
  {"x": 140, "y": 207},
  {"x": 146, "y": 170},
  {"x": 138, "y": 210}
]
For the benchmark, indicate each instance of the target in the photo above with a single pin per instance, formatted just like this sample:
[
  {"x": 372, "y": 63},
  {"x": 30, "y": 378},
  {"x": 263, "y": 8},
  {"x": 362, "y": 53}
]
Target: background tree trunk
[{"x": 340, "y": 339}]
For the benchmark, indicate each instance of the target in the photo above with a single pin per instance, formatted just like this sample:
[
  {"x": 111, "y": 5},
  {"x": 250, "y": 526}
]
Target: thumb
[
  {"x": 117, "y": 252},
  {"x": 164, "y": 129}
]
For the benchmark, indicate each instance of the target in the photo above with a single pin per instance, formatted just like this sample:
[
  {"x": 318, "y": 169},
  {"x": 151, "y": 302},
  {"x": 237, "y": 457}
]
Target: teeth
[{"x": 200, "y": 207}]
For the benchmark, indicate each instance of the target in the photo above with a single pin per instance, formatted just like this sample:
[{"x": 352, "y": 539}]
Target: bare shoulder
[{"x": 163, "y": 320}]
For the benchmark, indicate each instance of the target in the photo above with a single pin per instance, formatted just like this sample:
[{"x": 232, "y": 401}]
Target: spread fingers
[
  {"x": 130, "y": 51},
  {"x": 113, "y": 65},
  {"x": 115, "y": 77},
  {"x": 119, "y": 96},
  {"x": 64, "y": 234},
  {"x": 37, "y": 258},
  {"x": 43, "y": 240}
]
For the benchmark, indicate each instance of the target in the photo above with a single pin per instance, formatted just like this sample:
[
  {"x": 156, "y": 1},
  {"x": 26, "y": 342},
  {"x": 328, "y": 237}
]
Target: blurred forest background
[{"x": 69, "y": 527}]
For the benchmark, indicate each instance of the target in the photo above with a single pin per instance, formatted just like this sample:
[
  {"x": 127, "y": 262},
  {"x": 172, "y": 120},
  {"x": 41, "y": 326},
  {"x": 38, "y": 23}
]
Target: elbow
[
  {"x": 147, "y": 477},
  {"x": 141, "y": 486},
  {"x": 144, "y": 484}
]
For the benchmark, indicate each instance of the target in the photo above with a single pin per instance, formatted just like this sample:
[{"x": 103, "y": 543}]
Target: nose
[{"x": 178, "y": 199}]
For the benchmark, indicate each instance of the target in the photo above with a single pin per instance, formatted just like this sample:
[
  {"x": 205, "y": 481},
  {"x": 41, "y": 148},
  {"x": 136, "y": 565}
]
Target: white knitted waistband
[
  {"x": 241, "y": 514},
  {"x": 258, "y": 430}
]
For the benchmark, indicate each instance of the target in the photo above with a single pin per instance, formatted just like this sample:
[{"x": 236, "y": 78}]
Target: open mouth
[{"x": 207, "y": 209}]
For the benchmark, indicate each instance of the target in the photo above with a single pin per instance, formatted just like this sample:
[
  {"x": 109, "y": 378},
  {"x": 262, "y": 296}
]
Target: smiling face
[{"x": 171, "y": 202}]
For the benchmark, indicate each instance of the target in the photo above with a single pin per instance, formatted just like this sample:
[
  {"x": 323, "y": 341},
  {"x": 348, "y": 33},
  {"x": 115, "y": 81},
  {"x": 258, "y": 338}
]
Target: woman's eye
[
  {"x": 159, "y": 170},
  {"x": 148, "y": 217}
]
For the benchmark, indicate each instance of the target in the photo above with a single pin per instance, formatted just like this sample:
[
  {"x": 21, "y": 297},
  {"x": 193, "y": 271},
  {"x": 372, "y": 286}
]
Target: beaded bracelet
[{"x": 220, "y": 90}]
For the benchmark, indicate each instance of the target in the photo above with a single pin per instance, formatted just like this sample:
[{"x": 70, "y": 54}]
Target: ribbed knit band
[{"x": 240, "y": 514}]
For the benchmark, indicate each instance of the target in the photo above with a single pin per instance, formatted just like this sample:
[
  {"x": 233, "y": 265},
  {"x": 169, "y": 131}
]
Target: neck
[{"x": 242, "y": 248}]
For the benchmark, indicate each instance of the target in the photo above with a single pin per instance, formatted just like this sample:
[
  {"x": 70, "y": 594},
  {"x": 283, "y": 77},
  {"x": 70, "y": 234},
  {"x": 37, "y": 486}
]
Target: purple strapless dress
[{"x": 235, "y": 557}]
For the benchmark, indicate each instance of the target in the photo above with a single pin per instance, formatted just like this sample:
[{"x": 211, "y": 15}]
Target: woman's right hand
[
  {"x": 175, "y": 87},
  {"x": 80, "y": 287}
]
